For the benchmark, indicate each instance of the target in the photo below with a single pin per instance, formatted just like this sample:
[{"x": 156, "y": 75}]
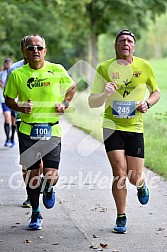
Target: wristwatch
[
  {"x": 66, "y": 104},
  {"x": 148, "y": 104}
]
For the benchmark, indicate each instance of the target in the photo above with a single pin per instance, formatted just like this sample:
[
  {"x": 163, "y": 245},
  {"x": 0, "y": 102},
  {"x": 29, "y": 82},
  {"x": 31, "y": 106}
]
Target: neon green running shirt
[
  {"x": 44, "y": 87},
  {"x": 132, "y": 80}
]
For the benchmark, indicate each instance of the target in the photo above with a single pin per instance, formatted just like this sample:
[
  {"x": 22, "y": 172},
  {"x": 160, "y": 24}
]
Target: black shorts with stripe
[{"x": 32, "y": 151}]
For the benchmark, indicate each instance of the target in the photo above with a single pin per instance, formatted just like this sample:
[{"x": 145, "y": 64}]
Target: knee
[
  {"x": 119, "y": 179},
  {"x": 51, "y": 177},
  {"x": 135, "y": 178},
  {"x": 33, "y": 177}
]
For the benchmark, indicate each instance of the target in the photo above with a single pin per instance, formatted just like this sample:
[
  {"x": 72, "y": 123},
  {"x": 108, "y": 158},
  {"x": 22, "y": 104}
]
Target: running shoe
[
  {"x": 12, "y": 144},
  {"x": 49, "y": 198},
  {"x": 36, "y": 221},
  {"x": 120, "y": 227},
  {"x": 143, "y": 194},
  {"x": 8, "y": 144},
  {"x": 27, "y": 203}
]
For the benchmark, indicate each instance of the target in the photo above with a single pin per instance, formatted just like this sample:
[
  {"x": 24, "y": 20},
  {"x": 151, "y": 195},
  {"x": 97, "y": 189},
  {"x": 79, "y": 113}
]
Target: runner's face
[
  {"x": 125, "y": 47},
  {"x": 7, "y": 65},
  {"x": 35, "y": 55}
]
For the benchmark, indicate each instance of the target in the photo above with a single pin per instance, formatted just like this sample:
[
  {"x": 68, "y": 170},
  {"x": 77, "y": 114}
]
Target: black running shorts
[
  {"x": 131, "y": 142},
  {"x": 32, "y": 151}
]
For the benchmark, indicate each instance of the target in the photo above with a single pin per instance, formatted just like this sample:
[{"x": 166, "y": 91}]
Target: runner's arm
[
  {"x": 12, "y": 104},
  {"x": 152, "y": 99},
  {"x": 60, "y": 107},
  {"x": 97, "y": 100}
]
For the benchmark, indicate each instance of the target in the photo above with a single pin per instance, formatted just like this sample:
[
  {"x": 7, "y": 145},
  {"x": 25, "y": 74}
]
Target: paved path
[{"x": 85, "y": 212}]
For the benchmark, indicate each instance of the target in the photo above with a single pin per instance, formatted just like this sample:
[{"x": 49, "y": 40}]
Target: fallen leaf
[
  {"x": 95, "y": 236},
  {"x": 103, "y": 209},
  {"x": 161, "y": 229},
  {"x": 55, "y": 243},
  {"x": 94, "y": 247},
  {"x": 94, "y": 209},
  {"x": 27, "y": 241},
  {"x": 104, "y": 245},
  {"x": 41, "y": 237}
]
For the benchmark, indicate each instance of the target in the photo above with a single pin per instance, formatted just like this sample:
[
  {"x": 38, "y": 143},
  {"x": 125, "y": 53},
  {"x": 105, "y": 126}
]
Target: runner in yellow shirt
[
  {"x": 121, "y": 84},
  {"x": 44, "y": 91}
]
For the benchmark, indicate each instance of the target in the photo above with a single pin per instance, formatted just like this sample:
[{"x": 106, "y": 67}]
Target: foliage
[{"x": 68, "y": 26}]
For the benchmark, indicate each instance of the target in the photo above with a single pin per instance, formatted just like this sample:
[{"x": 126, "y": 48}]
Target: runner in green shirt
[
  {"x": 44, "y": 91},
  {"x": 121, "y": 84}
]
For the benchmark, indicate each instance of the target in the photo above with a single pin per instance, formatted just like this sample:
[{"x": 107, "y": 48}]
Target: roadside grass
[
  {"x": 155, "y": 126},
  {"x": 155, "y": 146},
  {"x": 84, "y": 117}
]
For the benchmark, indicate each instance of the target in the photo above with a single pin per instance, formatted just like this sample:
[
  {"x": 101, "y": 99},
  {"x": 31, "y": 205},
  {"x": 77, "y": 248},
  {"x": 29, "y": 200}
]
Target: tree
[
  {"x": 71, "y": 27},
  {"x": 109, "y": 15}
]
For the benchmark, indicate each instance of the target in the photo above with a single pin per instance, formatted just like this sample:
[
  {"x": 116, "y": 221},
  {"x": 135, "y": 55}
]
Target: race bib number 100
[
  {"x": 41, "y": 132},
  {"x": 123, "y": 109}
]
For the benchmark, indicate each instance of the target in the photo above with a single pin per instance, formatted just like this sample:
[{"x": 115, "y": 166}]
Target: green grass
[
  {"x": 89, "y": 120},
  {"x": 155, "y": 126}
]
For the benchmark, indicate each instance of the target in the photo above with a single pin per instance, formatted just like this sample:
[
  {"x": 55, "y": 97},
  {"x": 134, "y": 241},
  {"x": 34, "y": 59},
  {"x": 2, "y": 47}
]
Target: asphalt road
[{"x": 84, "y": 214}]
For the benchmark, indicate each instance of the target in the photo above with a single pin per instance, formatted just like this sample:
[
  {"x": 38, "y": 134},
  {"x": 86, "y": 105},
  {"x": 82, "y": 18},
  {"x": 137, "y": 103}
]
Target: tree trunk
[
  {"x": 92, "y": 49},
  {"x": 92, "y": 43}
]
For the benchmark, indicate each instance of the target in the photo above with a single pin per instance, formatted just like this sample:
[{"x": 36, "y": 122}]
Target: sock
[
  {"x": 7, "y": 129},
  {"x": 36, "y": 210},
  {"x": 33, "y": 195},
  {"x": 45, "y": 186},
  {"x": 140, "y": 186},
  {"x": 48, "y": 187},
  {"x": 121, "y": 215},
  {"x": 13, "y": 132}
]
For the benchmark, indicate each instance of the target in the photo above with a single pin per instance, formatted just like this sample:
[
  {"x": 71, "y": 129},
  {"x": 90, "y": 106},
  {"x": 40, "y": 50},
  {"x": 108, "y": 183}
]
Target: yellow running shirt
[
  {"x": 44, "y": 87},
  {"x": 132, "y": 80}
]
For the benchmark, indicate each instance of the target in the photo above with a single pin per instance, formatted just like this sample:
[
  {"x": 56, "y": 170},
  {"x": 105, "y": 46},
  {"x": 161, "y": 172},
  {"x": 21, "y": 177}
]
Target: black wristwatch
[
  {"x": 66, "y": 104},
  {"x": 148, "y": 104}
]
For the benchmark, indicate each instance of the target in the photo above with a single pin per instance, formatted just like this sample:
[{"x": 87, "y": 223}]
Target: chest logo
[
  {"x": 33, "y": 83},
  {"x": 115, "y": 75},
  {"x": 137, "y": 74}
]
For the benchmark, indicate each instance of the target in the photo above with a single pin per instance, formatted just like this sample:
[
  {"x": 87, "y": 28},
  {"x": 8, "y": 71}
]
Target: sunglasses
[{"x": 35, "y": 47}]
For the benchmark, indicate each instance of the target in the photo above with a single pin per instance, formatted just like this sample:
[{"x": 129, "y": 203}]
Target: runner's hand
[
  {"x": 26, "y": 107},
  {"x": 60, "y": 108},
  {"x": 142, "y": 106},
  {"x": 110, "y": 88}
]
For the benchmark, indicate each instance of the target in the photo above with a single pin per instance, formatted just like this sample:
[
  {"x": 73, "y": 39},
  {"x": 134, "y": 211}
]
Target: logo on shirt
[
  {"x": 33, "y": 83},
  {"x": 115, "y": 75},
  {"x": 127, "y": 92},
  {"x": 137, "y": 74}
]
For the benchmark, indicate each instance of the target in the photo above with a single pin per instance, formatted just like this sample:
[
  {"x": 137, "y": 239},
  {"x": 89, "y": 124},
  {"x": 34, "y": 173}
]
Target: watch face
[{"x": 66, "y": 104}]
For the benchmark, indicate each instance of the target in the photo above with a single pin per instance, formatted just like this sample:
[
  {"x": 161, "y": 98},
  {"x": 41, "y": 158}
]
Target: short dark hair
[
  {"x": 125, "y": 32},
  {"x": 8, "y": 60}
]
